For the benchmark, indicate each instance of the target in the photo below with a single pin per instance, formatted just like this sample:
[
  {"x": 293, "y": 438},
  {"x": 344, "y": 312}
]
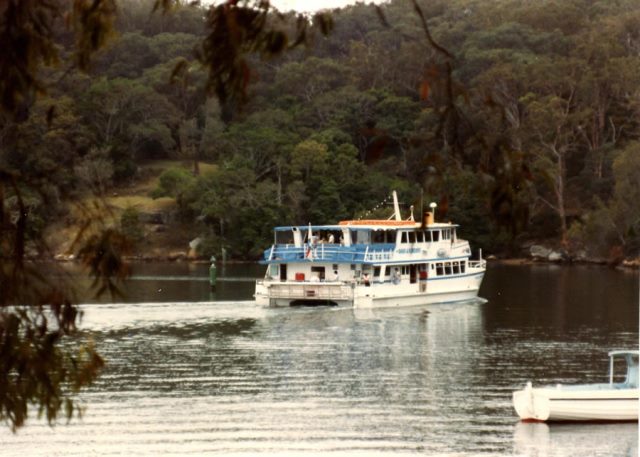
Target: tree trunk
[
  {"x": 562, "y": 214},
  {"x": 279, "y": 170}
]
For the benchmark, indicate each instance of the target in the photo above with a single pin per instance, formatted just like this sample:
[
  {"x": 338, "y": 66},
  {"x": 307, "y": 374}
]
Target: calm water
[{"x": 195, "y": 373}]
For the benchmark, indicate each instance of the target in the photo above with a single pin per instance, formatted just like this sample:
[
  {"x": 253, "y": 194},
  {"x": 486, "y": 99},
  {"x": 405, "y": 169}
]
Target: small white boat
[
  {"x": 612, "y": 401},
  {"x": 370, "y": 264}
]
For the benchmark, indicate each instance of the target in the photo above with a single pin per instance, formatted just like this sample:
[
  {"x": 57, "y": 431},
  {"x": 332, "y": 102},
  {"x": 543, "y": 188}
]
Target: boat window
[
  {"x": 456, "y": 268},
  {"x": 446, "y": 234},
  {"x": 447, "y": 268},
  {"x": 391, "y": 236},
  {"x": 377, "y": 237},
  {"x": 619, "y": 370},
  {"x": 462, "y": 266},
  {"x": 361, "y": 236},
  {"x": 435, "y": 235},
  {"x": 376, "y": 272},
  {"x": 331, "y": 236},
  {"x": 284, "y": 237},
  {"x": 404, "y": 237},
  {"x": 420, "y": 237},
  {"x": 412, "y": 237},
  {"x": 318, "y": 272},
  {"x": 405, "y": 270},
  {"x": 632, "y": 372},
  {"x": 344, "y": 238},
  {"x": 439, "y": 269},
  {"x": 273, "y": 270}
]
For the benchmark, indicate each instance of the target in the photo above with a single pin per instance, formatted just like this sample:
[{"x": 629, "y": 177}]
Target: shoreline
[{"x": 625, "y": 264}]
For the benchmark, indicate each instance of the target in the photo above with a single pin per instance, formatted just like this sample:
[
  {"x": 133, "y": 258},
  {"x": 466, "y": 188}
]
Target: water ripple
[{"x": 235, "y": 379}]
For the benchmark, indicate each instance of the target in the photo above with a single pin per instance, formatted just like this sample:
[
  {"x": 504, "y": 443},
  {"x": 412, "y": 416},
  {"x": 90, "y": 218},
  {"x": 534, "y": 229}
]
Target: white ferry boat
[{"x": 370, "y": 264}]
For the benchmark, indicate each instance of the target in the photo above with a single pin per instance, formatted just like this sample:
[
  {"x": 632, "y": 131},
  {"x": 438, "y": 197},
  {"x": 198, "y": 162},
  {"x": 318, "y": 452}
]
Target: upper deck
[
  {"x": 366, "y": 242},
  {"x": 370, "y": 241}
]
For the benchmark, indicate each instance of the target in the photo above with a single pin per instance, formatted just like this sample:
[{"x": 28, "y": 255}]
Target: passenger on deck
[
  {"x": 331, "y": 238},
  {"x": 365, "y": 279},
  {"x": 396, "y": 276}
]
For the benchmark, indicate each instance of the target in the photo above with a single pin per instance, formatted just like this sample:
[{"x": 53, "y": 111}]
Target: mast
[{"x": 396, "y": 206}]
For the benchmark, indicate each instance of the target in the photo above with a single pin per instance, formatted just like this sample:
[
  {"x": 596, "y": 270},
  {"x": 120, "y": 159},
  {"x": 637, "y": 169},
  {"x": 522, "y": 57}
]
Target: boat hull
[
  {"x": 577, "y": 404},
  {"x": 281, "y": 294}
]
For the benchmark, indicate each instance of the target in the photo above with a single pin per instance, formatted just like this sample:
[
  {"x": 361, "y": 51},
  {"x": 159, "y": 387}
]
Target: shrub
[
  {"x": 130, "y": 224},
  {"x": 172, "y": 182}
]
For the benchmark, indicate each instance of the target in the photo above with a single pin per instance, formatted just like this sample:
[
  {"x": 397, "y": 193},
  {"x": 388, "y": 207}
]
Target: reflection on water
[
  {"x": 569, "y": 440},
  {"x": 194, "y": 376}
]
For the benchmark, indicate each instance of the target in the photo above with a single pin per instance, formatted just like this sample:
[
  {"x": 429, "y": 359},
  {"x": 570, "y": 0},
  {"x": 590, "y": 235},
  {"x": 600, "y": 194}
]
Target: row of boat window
[
  {"x": 371, "y": 236},
  {"x": 449, "y": 268},
  {"x": 414, "y": 271},
  {"x": 406, "y": 236},
  {"x": 454, "y": 267}
]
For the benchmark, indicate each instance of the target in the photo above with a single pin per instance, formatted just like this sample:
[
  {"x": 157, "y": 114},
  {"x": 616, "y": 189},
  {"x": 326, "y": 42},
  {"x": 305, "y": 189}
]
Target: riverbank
[
  {"x": 540, "y": 254},
  {"x": 633, "y": 264},
  {"x": 162, "y": 236},
  {"x": 184, "y": 256}
]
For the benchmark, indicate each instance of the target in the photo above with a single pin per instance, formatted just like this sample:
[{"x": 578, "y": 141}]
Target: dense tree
[
  {"x": 553, "y": 120},
  {"x": 624, "y": 204}
]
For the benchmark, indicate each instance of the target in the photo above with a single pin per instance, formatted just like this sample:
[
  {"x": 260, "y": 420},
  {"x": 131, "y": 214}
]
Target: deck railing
[
  {"x": 329, "y": 253},
  {"x": 311, "y": 291},
  {"x": 477, "y": 264}
]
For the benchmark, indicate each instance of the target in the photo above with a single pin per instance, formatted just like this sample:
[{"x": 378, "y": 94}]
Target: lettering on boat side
[{"x": 409, "y": 251}]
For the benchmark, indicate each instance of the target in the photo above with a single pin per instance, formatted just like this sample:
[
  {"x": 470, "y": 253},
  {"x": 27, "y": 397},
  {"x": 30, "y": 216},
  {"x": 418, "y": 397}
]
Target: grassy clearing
[
  {"x": 141, "y": 203},
  {"x": 150, "y": 171},
  {"x": 135, "y": 194}
]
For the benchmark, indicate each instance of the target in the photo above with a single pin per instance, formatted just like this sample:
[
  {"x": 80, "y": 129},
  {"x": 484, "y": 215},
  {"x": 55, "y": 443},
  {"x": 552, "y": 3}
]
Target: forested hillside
[{"x": 519, "y": 118}]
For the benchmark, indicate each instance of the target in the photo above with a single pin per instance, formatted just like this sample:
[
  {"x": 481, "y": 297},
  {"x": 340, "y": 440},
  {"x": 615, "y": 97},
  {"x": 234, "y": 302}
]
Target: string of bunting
[{"x": 382, "y": 203}]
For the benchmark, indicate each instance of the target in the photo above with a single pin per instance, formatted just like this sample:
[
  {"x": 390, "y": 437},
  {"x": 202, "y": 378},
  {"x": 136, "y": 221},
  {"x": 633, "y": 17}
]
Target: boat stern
[
  {"x": 531, "y": 406},
  {"x": 304, "y": 293},
  {"x": 261, "y": 294}
]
